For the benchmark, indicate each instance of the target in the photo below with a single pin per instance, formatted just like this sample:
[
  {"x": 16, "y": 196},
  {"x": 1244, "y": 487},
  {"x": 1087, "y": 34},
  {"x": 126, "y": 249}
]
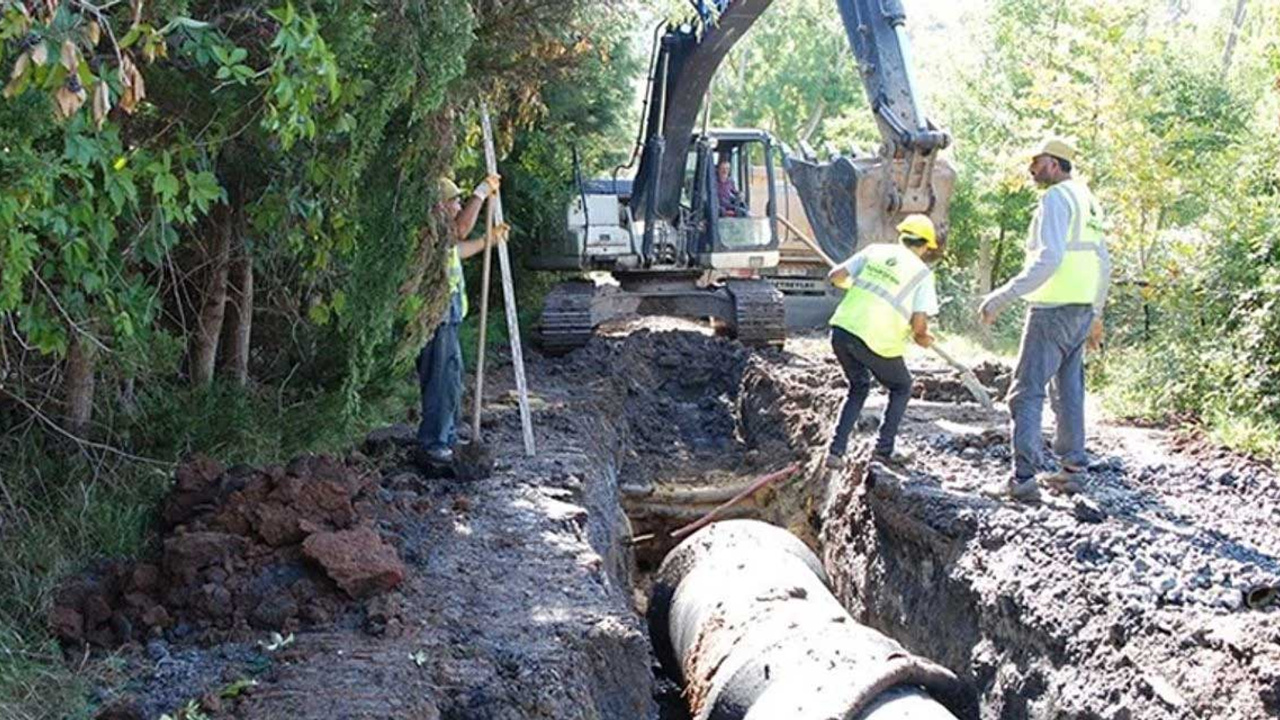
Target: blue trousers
[
  {"x": 859, "y": 364},
  {"x": 440, "y": 376},
  {"x": 1052, "y": 352}
]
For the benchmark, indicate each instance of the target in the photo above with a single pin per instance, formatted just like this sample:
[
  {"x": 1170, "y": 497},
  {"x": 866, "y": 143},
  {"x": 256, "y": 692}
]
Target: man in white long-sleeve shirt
[{"x": 1065, "y": 280}]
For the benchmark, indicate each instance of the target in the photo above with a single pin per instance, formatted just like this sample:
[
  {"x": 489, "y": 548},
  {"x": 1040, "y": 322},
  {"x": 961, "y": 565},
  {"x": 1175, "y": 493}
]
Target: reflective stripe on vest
[
  {"x": 457, "y": 283},
  {"x": 1078, "y": 277},
  {"x": 876, "y": 308}
]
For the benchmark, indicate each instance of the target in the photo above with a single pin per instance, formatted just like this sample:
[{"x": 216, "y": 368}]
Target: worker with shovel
[
  {"x": 440, "y": 362},
  {"x": 1065, "y": 279},
  {"x": 890, "y": 295}
]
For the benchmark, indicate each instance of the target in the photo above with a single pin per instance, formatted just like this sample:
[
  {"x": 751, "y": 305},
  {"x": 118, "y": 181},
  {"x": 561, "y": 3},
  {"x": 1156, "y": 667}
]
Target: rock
[
  {"x": 1223, "y": 476},
  {"x": 66, "y": 624},
  {"x": 357, "y": 560},
  {"x": 185, "y": 555},
  {"x": 1229, "y": 599},
  {"x": 971, "y": 454},
  {"x": 157, "y": 650},
  {"x": 145, "y": 578},
  {"x": 1087, "y": 510},
  {"x": 387, "y": 438},
  {"x": 274, "y": 612},
  {"x": 1165, "y": 690}
]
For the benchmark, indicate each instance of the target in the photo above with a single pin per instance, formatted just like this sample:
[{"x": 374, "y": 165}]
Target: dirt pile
[
  {"x": 946, "y": 385},
  {"x": 270, "y": 549}
]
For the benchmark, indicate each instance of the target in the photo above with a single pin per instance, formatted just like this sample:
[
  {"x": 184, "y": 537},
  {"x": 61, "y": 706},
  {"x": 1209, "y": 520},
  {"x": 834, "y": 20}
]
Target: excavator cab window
[{"x": 742, "y": 193}]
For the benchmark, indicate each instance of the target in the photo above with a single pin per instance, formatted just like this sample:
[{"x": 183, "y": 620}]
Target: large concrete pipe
[{"x": 741, "y": 614}]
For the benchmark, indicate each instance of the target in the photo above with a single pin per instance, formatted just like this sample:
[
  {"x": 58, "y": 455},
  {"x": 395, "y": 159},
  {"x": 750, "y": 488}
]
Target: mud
[
  {"x": 1127, "y": 601},
  {"x": 518, "y": 592}
]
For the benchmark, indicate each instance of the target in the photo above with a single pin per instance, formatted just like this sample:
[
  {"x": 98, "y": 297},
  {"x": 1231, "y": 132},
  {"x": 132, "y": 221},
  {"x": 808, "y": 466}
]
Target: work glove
[
  {"x": 488, "y": 186},
  {"x": 501, "y": 232},
  {"x": 1094, "y": 339},
  {"x": 989, "y": 310}
]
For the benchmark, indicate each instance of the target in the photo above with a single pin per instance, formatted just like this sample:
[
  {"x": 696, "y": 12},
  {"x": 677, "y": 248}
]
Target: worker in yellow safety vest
[
  {"x": 440, "y": 362},
  {"x": 889, "y": 297},
  {"x": 1065, "y": 281}
]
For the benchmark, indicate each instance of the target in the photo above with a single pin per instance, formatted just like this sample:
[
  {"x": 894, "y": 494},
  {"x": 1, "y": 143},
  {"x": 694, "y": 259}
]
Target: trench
[{"x": 703, "y": 430}]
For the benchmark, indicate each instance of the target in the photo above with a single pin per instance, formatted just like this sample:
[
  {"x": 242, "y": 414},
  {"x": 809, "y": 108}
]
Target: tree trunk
[
  {"x": 815, "y": 119},
  {"x": 999, "y": 255},
  {"x": 236, "y": 356},
  {"x": 1236, "y": 23},
  {"x": 213, "y": 303},
  {"x": 986, "y": 264},
  {"x": 77, "y": 384}
]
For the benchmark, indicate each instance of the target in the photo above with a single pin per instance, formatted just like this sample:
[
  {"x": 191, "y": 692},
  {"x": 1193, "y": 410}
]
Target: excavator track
[
  {"x": 567, "y": 321},
  {"x": 759, "y": 313}
]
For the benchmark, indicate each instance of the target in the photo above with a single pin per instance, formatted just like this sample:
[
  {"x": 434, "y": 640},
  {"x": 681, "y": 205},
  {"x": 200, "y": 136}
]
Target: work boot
[
  {"x": 1025, "y": 490},
  {"x": 896, "y": 458},
  {"x": 1067, "y": 481},
  {"x": 432, "y": 458}
]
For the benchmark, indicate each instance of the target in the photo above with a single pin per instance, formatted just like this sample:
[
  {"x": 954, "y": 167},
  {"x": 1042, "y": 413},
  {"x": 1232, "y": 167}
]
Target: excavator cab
[
  {"x": 728, "y": 220},
  {"x": 733, "y": 216}
]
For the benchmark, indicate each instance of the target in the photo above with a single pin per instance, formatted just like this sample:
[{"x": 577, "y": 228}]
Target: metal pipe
[{"x": 742, "y": 614}]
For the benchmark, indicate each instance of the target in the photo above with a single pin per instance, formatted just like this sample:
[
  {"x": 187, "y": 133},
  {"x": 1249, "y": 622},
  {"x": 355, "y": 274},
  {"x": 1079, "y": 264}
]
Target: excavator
[{"x": 686, "y": 237}]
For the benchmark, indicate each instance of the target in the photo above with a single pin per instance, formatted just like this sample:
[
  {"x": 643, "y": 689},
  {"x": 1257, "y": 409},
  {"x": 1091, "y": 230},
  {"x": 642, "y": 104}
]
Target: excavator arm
[{"x": 849, "y": 201}]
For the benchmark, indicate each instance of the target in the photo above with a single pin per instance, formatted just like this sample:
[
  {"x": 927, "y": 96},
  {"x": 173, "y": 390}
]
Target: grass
[{"x": 63, "y": 510}]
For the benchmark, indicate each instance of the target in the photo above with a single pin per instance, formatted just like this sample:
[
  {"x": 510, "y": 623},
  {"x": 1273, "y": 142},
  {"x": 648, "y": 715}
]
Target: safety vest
[
  {"x": 1076, "y": 280},
  {"x": 457, "y": 284},
  {"x": 877, "y": 307}
]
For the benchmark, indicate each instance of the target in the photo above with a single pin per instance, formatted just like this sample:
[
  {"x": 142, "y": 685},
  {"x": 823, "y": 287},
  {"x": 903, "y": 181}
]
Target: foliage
[{"x": 795, "y": 76}]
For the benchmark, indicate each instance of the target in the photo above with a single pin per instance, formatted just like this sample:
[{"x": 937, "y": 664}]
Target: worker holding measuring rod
[
  {"x": 440, "y": 362},
  {"x": 890, "y": 296}
]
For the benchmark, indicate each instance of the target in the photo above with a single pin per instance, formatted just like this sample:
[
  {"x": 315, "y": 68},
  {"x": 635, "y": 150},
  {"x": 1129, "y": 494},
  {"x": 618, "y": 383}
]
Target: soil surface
[
  {"x": 1125, "y": 601},
  {"x": 363, "y": 586}
]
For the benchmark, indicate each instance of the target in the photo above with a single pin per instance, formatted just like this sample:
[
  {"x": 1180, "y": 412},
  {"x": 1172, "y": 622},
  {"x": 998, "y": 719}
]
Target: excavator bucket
[{"x": 852, "y": 202}]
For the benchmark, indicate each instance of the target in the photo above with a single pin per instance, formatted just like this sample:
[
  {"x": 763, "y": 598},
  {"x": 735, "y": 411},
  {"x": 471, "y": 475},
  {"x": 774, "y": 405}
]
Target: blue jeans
[
  {"x": 1052, "y": 352},
  {"x": 859, "y": 364},
  {"x": 440, "y": 376}
]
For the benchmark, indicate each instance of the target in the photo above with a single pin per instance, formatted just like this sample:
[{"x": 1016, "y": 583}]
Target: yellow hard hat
[
  {"x": 918, "y": 225},
  {"x": 448, "y": 189}
]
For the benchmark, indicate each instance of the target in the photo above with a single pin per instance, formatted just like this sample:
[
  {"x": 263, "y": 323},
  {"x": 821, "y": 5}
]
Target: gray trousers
[{"x": 1052, "y": 352}]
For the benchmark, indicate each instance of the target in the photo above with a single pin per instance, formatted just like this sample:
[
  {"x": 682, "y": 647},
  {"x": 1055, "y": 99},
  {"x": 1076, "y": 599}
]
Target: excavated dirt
[
  {"x": 243, "y": 551},
  {"x": 1126, "y": 601},
  {"x": 414, "y": 594}
]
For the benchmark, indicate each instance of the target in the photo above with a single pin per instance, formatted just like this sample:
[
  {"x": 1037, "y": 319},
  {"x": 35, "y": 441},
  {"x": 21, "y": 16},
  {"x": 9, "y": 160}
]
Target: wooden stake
[
  {"x": 484, "y": 323},
  {"x": 508, "y": 290}
]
